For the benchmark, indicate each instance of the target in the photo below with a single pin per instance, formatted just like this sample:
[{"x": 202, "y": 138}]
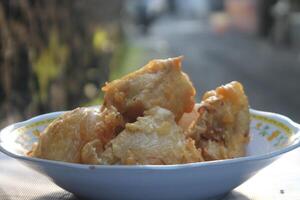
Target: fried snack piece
[
  {"x": 153, "y": 139},
  {"x": 222, "y": 127},
  {"x": 159, "y": 83},
  {"x": 79, "y": 136}
]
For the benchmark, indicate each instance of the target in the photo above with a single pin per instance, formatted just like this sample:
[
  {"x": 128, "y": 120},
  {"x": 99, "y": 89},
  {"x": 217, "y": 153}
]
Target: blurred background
[{"x": 56, "y": 55}]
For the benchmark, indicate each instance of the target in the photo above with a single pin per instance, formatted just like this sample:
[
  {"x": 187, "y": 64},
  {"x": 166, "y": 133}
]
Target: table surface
[{"x": 278, "y": 181}]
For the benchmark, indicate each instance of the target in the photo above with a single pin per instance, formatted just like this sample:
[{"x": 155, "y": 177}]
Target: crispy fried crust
[
  {"x": 153, "y": 139},
  {"x": 79, "y": 136},
  {"x": 222, "y": 127},
  {"x": 159, "y": 83}
]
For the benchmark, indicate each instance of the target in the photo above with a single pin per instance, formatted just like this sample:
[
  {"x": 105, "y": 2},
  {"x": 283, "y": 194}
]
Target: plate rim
[{"x": 39, "y": 161}]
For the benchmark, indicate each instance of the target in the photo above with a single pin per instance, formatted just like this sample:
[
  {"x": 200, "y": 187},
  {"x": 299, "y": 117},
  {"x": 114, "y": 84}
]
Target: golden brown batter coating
[
  {"x": 222, "y": 127},
  {"x": 159, "y": 83},
  {"x": 153, "y": 139},
  {"x": 165, "y": 127},
  {"x": 79, "y": 136}
]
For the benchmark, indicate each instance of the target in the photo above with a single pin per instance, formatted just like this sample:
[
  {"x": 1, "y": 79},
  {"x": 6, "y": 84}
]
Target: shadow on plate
[
  {"x": 3, "y": 195},
  {"x": 234, "y": 195},
  {"x": 57, "y": 196}
]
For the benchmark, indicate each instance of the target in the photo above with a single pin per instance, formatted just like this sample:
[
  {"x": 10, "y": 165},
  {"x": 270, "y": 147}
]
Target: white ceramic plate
[{"x": 271, "y": 136}]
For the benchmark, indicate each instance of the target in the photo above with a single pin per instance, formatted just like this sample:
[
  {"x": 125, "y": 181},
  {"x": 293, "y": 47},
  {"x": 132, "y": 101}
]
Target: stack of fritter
[{"x": 138, "y": 122}]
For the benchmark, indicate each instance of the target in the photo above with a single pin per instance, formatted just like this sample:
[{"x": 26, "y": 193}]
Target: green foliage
[
  {"x": 49, "y": 64},
  {"x": 126, "y": 59},
  {"x": 100, "y": 39}
]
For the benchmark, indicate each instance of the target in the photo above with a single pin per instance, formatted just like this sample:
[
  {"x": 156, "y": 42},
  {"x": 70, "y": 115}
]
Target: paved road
[{"x": 271, "y": 75}]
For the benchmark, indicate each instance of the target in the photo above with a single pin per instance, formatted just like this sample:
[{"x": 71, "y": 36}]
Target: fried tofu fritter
[
  {"x": 153, "y": 139},
  {"x": 150, "y": 117},
  {"x": 222, "y": 127},
  {"x": 159, "y": 83},
  {"x": 79, "y": 136}
]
